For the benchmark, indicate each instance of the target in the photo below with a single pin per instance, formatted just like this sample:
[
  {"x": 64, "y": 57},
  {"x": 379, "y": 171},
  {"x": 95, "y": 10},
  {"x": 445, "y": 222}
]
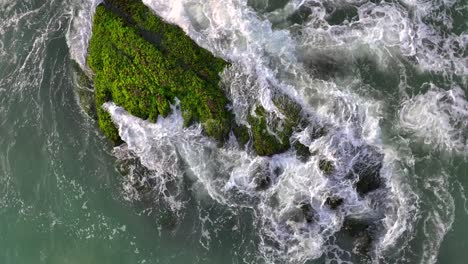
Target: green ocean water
[{"x": 62, "y": 199}]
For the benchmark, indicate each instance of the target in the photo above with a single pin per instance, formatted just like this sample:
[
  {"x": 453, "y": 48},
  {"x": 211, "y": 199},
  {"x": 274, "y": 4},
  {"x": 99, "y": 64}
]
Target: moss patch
[
  {"x": 142, "y": 64},
  {"x": 326, "y": 166},
  {"x": 270, "y": 133},
  {"x": 265, "y": 142}
]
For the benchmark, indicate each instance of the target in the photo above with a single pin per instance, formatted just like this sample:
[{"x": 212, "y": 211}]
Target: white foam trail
[
  {"x": 438, "y": 221},
  {"x": 161, "y": 156},
  {"x": 79, "y": 31},
  {"x": 438, "y": 117}
]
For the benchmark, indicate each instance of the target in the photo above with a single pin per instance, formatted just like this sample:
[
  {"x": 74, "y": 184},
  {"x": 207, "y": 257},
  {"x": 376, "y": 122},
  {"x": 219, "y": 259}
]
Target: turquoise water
[{"x": 63, "y": 200}]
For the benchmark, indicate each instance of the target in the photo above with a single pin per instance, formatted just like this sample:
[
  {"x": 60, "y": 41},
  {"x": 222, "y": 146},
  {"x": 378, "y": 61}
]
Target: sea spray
[{"x": 300, "y": 50}]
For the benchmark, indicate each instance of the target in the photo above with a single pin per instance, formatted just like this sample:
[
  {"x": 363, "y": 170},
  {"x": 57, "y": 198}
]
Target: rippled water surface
[{"x": 386, "y": 80}]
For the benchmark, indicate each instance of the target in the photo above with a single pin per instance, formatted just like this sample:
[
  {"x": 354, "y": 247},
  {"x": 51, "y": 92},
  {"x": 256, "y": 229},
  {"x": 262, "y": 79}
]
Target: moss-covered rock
[
  {"x": 142, "y": 64},
  {"x": 242, "y": 134},
  {"x": 326, "y": 166},
  {"x": 302, "y": 151},
  {"x": 264, "y": 141},
  {"x": 271, "y": 133}
]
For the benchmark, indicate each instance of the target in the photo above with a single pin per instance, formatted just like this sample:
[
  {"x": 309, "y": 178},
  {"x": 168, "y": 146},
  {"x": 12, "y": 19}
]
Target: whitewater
[
  {"x": 295, "y": 47},
  {"x": 385, "y": 82}
]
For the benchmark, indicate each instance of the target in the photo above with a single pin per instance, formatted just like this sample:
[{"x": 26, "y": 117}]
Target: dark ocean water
[{"x": 391, "y": 75}]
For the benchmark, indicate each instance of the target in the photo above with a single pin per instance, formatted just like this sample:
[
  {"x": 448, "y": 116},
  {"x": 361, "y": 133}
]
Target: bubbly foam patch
[
  {"x": 438, "y": 117},
  {"x": 291, "y": 197}
]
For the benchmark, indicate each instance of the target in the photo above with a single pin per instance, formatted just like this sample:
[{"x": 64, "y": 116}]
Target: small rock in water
[
  {"x": 261, "y": 177},
  {"x": 262, "y": 182},
  {"x": 326, "y": 166},
  {"x": 366, "y": 170},
  {"x": 362, "y": 244},
  {"x": 355, "y": 227},
  {"x": 295, "y": 215},
  {"x": 334, "y": 202},
  {"x": 167, "y": 219},
  {"x": 318, "y": 132},
  {"x": 308, "y": 211},
  {"x": 302, "y": 152},
  {"x": 361, "y": 230}
]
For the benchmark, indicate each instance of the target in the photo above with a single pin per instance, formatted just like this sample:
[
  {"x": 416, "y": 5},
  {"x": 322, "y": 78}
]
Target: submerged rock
[
  {"x": 362, "y": 231},
  {"x": 366, "y": 171},
  {"x": 355, "y": 227},
  {"x": 326, "y": 166},
  {"x": 308, "y": 211},
  {"x": 261, "y": 178},
  {"x": 303, "y": 212},
  {"x": 294, "y": 214},
  {"x": 302, "y": 152},
  {"x": 85, "y": 91},
  {"x": 334, "y": 202}
]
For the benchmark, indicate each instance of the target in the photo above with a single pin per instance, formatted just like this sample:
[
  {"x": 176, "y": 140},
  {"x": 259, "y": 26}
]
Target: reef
[{"x": 144, "y": 64}]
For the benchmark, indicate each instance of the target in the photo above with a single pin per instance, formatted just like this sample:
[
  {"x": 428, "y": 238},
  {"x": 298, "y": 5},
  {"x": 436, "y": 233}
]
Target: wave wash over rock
[{"x": 271, "y": 131}]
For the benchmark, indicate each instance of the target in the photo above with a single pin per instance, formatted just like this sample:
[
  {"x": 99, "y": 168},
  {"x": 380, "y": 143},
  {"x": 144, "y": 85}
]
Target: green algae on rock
[
  {"x": 142, "y": 64},
  {"x": 271, "y": 133}
]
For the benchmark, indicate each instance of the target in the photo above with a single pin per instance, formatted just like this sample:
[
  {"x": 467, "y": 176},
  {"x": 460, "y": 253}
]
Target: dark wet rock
[
  {"x": 363, "y": 244},
  {"x": 242, "y": 134},
  {"x": 302, "y": 152},
  {"x": 261, "y": 177},
  {"x": 267, "y": 6},
  {"x": 318, "y": 132},
  {"x": 362, "y": 230},
  {"x": 355, "y": 227},
  {"x": 295, "y": 215},
  {"x": 262, "y": 182},
  {"x": 277, "y": 171},
  {"x": 337, "y": 16},
  {"x": 130, "y": 166},
  {"x": 300, "y": 15},
  {"x": 308, "y": 211},
  {"x": 334, "y": 202},
  {"x": 326, "y": 166},
  {"x": 366, "y": 171}
]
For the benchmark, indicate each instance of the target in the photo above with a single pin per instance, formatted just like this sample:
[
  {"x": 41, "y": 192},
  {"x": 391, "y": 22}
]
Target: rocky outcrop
[{"x": 143, "y": 64}]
